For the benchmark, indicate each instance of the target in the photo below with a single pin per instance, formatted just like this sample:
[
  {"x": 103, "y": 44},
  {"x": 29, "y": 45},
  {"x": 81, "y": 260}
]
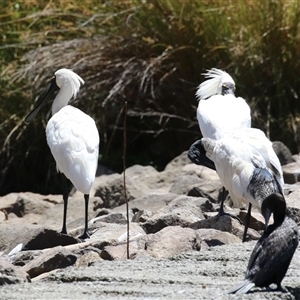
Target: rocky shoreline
[{"x": 177, "y": 249}]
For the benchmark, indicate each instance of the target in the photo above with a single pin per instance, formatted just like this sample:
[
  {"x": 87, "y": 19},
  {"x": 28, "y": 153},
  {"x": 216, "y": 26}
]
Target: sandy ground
[{"x": 196, "y": 275}]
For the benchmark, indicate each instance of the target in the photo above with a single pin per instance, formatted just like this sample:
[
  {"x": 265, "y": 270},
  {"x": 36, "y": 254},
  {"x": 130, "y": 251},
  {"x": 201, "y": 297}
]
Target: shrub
[{"x": 150, "y": 54}]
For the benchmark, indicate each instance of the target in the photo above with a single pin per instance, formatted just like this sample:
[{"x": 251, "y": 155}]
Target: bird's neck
[
  {"x": 62, "y": 98},
  {"x": 274, "y": 203}
]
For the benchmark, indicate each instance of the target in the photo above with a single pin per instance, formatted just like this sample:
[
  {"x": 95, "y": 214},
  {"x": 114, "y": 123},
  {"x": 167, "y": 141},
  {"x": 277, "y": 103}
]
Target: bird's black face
[
  {"x": 228, "y": 88},
  {"x": 53, "y": 86}
]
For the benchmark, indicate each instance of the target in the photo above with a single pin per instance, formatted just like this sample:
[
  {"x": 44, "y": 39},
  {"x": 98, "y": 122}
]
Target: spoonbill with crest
[
  {"x": 72, "y": 137},
  {"x": 218, "y": 111}
]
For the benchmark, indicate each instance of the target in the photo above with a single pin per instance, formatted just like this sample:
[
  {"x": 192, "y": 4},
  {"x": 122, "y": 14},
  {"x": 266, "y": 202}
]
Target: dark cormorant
[{"x": 273, "y": 252}]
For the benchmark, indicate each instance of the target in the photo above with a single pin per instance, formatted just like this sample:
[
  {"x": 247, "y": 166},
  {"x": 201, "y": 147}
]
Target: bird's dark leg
[
  {"x": 85, "y": 234},
  {"x": 65, "y": 198},
  {"x": 247, "y": 221},
  {"x": 221, "y": 211}
]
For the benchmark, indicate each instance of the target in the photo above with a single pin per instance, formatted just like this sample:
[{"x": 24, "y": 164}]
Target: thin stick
[{"x": 124, "y": 177}]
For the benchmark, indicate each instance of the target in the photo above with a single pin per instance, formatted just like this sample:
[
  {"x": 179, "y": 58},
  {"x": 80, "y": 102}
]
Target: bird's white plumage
[
  {"x": 72, "y": 135},
  {"x": 236, "y": 154},
  {"x": 74, "y": 140},
  {"x": 217, "y": 113}
]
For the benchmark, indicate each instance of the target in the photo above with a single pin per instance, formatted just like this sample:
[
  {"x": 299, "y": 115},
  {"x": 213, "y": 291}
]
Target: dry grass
[{"x": 150, "y": 54}]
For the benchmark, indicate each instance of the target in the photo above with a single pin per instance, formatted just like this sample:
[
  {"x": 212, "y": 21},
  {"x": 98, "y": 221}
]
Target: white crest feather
[
  {"x": 74, "y": 79},
  {"x": 213, "y": 86}
]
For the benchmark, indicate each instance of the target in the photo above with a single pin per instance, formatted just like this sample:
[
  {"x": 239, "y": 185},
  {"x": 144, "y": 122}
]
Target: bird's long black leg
[
  {"x": 221, "y": 211},
  {"x": 65, "y": 198},
  {"x": 85, "y": 234},
  {"x": 247, "y": 221}
]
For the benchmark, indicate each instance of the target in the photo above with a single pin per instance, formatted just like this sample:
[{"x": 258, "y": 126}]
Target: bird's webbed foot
[
  {"x": 84, "y": 236},
  {"x": 63, "y": 231}
]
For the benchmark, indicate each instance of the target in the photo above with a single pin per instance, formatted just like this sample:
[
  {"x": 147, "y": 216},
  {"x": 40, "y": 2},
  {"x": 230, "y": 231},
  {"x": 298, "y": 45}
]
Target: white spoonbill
[
  {"x": 247, "y": 166},
  {"x": 72, "y": 137},
  {"x": 218, "y": 111}
]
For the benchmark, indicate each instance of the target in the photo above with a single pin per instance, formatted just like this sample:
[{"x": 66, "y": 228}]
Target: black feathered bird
[{"x": 273, "y": 252}]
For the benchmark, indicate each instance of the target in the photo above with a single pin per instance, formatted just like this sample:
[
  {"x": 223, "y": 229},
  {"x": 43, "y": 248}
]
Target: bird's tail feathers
[
  {"x": 213, "y": 85},
  {"x": 242, "y": 288}
]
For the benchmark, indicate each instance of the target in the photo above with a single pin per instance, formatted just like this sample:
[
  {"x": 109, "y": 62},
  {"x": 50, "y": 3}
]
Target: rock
[
  {"x": 171, "y": 241},
  {"x": 102, "y": 212},
  {"x": 178, "y": 162},
  {"x": 119, "y": 252},
  {"x": 29, "y": 206},
  {"x": 257, "y": 221},
  {"x": 214, "y": 237},
  {"x": 225, "y": 223},
  {"x": 292, "y": 200},
  {"x": 152, "y": 202},
  {"x": 208, "y": 189},
  {"x": 200, "y": 171},
  {"x": 291, "y": 172},
  {"x": 117, "y": 218},
  {"x": 289, "y": 188},
  {"x": 48, "y": 211},
  {"x": 44, "y": 276},
  {"x": 87, "y": 259},
  {"x": 51, "y": 259},
  {"x": 293, "y": 205},
  {"x": 9, "y": 233},
  {"x": 182, "y": 184},
  {"x": 25, "y": 205},
  {"x": 141, "y": 216},
  {"x": 182, "y": 211},
  {"x": 112, "y": 234},
  {"x": 111, "y": 191},
  {"x": 283, "y": 152},
  {"x": 23, "y": 257},
  {"x": 40, "y": 238},
  {"x": 10, "y": 274}
]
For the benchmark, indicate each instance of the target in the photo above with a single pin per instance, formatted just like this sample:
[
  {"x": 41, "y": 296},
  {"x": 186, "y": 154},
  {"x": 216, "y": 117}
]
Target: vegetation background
[{"x": 150, "y": 53}]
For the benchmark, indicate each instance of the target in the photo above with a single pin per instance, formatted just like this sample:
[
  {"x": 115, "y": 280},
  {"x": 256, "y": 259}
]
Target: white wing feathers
[
  {"x": 236, "y": 154},
  {"x": 74, "y": 141}
]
